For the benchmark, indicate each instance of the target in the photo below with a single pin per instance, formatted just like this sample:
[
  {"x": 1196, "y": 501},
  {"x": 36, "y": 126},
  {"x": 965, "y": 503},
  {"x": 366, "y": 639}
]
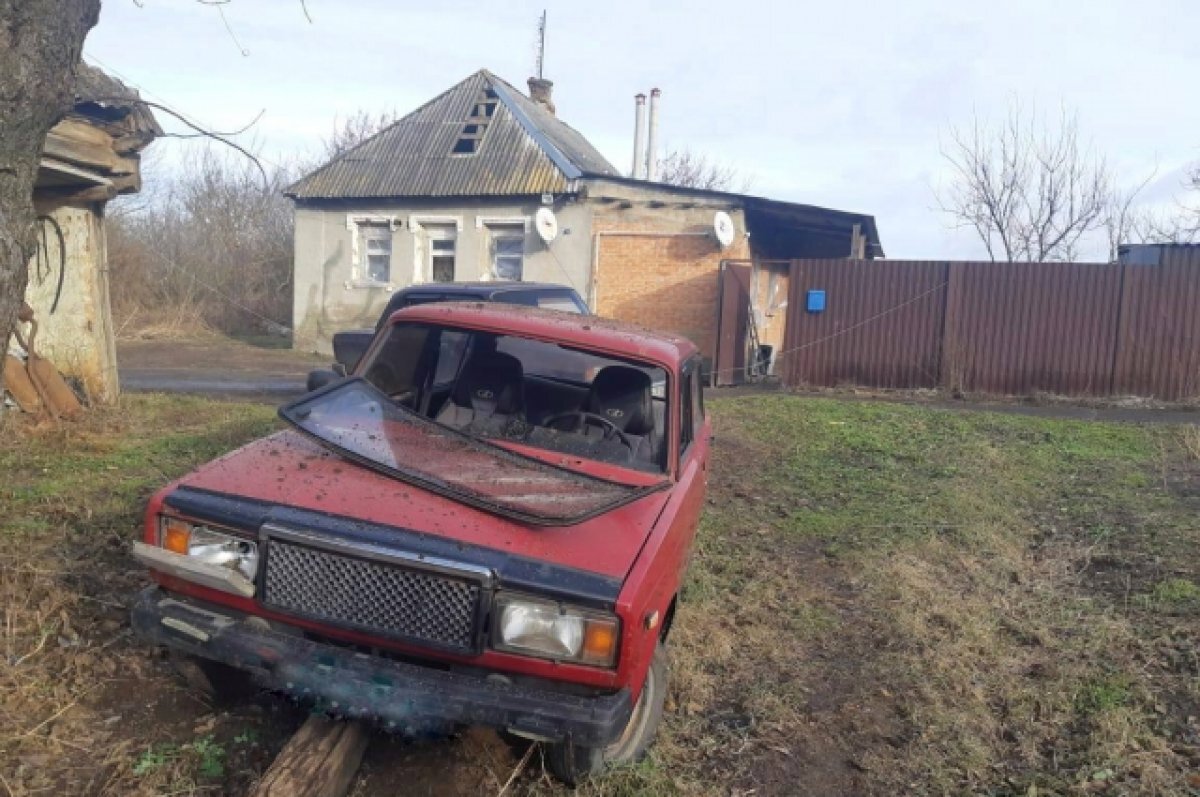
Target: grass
[
  {"x": 882, "y": 599},
  {"x": 966, "y": 602},
  {"x": 82, "y": 710}
]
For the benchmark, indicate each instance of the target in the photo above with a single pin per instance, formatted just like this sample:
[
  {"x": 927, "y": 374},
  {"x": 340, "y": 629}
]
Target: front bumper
[{"x": 398, "y": 695}]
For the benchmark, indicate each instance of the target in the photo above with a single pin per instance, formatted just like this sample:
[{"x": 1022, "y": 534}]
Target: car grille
[{"x": 376, "y": 597}]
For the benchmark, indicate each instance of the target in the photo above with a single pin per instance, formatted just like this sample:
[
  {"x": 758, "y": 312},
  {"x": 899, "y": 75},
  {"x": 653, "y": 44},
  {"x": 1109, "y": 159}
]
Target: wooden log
[{"x": 320, "y": 760}]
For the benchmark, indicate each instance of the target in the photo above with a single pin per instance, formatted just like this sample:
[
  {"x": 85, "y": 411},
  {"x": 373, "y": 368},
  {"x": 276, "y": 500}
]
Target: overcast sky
[{"x": 834, "y": 104}]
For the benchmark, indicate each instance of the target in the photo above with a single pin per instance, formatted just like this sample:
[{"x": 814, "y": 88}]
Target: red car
[{"x": 488, "y": 523}]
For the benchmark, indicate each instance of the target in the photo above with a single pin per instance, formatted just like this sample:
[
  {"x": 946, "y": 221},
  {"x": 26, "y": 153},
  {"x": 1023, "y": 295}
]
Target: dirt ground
[{"x": 883, "y": 599}]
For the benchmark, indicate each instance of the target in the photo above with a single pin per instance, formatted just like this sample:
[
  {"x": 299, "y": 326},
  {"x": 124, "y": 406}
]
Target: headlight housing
[
  {"x": 546, "y": 629},
  {"x": 209, "y": 547}
]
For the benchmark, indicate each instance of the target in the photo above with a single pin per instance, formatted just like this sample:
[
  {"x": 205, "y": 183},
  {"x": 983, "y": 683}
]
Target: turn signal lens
[
  {"x": 599, "y": 642},
  {"x": 175, "y": 535}
]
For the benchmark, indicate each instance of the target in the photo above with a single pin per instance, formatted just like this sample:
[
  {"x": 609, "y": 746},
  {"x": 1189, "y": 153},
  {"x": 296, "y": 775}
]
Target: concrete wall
[
  {"x": 657, "y": 260},
  {"x": 328, "y": 297},
  {"x": 77, "y": 334}
]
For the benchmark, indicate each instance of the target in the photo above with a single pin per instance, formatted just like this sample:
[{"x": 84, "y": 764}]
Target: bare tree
[
  {"x": 1124, "y": 221},
  {"x": 686, "y": 168},
  {"x": 40, "y": 45},
  {"x": 1128, "y": 223},
  {"x": 215, "y": 246},
  {"x": 1030, "y": 190},
  {"x": 348, "y": 133}
]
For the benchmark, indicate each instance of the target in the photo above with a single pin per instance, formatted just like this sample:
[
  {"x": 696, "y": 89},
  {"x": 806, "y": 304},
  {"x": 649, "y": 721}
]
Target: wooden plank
[
  {"x": 75, "y": 142},
  {"x": 320, "y": 760}
]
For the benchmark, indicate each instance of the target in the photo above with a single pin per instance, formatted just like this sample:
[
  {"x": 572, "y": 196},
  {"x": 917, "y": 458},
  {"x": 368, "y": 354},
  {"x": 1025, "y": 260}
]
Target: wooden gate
[{"x": 733, "y": 324}]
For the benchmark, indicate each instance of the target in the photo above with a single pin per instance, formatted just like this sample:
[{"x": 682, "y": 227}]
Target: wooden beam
[
  {"x": 320, "y": 760},
  {"x": 82, "y": 144},
  {"x": 858, "y": 243}
]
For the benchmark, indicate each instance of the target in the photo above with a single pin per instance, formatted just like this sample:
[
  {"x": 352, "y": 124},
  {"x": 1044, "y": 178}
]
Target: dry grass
[
  {"x": 1190, "y": 439},
  {"x": 882, "y": 600},
  {"x": 179, "y": 322},
  {"x": 85, "y": 710}
]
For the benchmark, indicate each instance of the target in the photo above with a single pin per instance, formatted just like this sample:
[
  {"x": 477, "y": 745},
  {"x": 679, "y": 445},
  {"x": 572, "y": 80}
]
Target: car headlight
[
  {"x": 210, "y": 547},
  {"x": 537, "y": 627}
]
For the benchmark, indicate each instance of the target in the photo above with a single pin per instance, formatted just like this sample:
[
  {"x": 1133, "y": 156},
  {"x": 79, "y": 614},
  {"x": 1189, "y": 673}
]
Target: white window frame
[
  {"x": 444, "y": 232},
  {"x": 416, "y": 225},
  {"x": 358, "y": 265},
  {"x": 504, "y": 221},
  {"x": 497, "y": 225}
]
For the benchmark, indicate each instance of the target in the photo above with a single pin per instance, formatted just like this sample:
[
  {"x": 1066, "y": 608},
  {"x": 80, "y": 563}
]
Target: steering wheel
[{"x": 584, "y": 419}]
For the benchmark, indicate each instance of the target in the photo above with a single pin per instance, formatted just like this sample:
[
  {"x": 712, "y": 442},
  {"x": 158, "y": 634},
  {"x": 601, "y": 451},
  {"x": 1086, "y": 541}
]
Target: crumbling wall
[{"x": 68, "y": 290}]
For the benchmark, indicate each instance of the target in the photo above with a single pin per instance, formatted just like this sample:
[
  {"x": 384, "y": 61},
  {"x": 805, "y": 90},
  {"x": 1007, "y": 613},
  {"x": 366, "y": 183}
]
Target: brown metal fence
[{"x": 1012, "y": 328}]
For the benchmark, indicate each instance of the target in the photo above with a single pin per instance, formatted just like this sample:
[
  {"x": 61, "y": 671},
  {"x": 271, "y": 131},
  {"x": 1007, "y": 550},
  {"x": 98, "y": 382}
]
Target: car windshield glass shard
[{"x": 359, "y": 421}]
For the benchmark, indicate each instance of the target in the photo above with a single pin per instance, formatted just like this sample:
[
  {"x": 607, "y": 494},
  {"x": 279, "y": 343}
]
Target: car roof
[
  {"x": 482, "y": 288},
  {"x": 583, "y": 331}
]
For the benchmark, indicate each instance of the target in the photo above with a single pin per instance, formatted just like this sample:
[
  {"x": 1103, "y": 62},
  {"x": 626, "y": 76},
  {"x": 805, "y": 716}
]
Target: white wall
[
  {"x": 328, "y": 298},
  {"x": 78, "y": 335}
]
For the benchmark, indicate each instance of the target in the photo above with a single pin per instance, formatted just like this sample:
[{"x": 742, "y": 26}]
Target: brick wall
[{"x": 665, "y": 280}]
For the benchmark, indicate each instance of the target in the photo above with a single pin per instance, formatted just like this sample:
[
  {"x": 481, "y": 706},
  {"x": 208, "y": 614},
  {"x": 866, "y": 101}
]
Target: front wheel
[{"x": 572, "y": 763}]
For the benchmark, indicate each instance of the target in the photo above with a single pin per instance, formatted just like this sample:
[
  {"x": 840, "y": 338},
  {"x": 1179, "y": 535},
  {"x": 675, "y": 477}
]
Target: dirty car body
[{"x": 488, "y": 523}]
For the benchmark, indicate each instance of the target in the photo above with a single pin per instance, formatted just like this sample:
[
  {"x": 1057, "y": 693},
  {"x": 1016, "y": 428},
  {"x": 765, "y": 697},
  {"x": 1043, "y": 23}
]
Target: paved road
[{"x": 213, "y": 367}]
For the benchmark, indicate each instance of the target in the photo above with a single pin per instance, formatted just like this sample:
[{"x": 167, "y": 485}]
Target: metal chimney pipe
[
  {"x": 639, "y": 128},
  {"x": 652, "y": 138}
]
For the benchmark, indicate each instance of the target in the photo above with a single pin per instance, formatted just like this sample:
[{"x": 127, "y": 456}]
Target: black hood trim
[{"x": 514, "y": 572}]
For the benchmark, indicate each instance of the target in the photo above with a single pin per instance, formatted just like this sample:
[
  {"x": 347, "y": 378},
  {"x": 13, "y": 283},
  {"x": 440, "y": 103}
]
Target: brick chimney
[{"x": 539, "y": 92}]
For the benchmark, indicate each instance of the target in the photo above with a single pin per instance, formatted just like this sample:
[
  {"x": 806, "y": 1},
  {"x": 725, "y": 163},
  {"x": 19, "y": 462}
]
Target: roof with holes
[{"x": 480, "y": 137}]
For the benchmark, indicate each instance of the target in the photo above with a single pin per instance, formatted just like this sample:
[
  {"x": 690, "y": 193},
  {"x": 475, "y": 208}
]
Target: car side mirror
[
  {"x": 321, "y": 377},
  {"x": 339, "y": 369}
]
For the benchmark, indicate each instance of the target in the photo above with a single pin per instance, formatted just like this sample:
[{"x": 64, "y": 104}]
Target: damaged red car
[{"x": 488, "y": 523}]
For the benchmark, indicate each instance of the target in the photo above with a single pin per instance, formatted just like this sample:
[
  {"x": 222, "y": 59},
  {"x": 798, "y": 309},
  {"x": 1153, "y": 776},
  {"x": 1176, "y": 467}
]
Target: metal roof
[{"x": 525, "y": 150}]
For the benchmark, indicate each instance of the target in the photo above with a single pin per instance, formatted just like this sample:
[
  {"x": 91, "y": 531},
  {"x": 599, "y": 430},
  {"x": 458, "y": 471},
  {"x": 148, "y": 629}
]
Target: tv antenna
[{"x": 541, "y": 45}]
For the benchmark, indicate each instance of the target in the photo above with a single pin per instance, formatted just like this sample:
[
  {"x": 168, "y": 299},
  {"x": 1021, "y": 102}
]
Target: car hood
[{"x": 288, "y": 469}]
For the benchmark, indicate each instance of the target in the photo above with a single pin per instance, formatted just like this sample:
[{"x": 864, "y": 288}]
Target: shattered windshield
[
  {"x": 432, "y": 402},
  {"x": 535, "y": 393},
  {"x": 359, "y": 421}
]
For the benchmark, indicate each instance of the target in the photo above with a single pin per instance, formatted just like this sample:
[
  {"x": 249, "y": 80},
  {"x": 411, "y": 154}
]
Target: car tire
[
  {"x": 573, "y": 763},
  {"x": 213, "y": 680}
]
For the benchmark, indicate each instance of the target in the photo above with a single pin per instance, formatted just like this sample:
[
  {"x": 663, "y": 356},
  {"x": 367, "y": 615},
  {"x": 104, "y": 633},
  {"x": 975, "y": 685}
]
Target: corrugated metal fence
[{"x": 1012, "y": 328}]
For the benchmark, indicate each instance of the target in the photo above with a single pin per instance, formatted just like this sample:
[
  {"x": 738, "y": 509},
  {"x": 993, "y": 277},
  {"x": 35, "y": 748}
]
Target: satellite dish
[
  {"x": 546, "y": 224},
  {"x": 723, "y": 229}
]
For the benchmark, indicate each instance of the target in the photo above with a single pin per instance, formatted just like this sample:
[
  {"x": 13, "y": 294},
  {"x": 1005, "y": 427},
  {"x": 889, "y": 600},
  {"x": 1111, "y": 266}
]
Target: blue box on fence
[{"x": 816, "y": 302}]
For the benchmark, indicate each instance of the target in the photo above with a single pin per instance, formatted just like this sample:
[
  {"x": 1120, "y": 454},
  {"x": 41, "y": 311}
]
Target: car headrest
[
  {"x": 491, "y": 383},
  {"x": 622, "y": 395}
]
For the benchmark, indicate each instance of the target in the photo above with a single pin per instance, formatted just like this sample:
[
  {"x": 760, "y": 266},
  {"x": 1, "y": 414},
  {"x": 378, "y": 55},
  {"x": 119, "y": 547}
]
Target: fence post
[
  {"x": 1117, "y": 336},
  {"x": 946, "y": 344}
]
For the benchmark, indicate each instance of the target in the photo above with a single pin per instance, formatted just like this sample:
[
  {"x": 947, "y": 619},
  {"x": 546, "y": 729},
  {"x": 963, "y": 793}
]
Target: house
[
  {"x": 452, "y": 191},
  {"x": 90, "y": 157}
]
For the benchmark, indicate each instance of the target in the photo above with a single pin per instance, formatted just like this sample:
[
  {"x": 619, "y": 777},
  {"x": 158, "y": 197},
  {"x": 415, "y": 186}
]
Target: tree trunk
[{"x": 40, "y": 45}]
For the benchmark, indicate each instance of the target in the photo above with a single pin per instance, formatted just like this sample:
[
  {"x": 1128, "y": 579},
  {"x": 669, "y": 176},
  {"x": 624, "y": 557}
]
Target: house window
[
  {"x": 375, "y": 246},
  {"x": 471, "y": 137},
  {"x": 442, "y": 244},
  {"x": 508, "y": 252}
]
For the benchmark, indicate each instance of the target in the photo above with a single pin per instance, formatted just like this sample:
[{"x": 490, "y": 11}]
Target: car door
[{"x": 656, "y": 578}]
